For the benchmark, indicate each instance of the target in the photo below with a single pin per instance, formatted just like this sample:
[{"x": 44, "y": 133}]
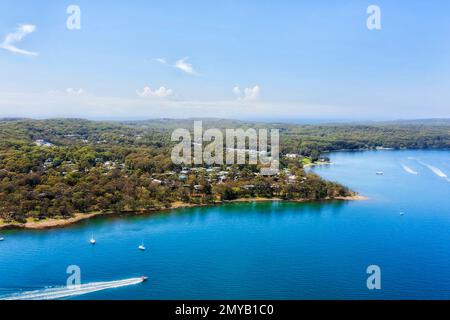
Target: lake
[{"x": 273, "y": 250}]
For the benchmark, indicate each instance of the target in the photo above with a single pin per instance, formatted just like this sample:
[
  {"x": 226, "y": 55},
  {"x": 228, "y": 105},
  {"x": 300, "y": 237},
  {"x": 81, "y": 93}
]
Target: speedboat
[
  {"x": 144, "y": 278},
  {"x": 92, "y": 241},
  {"x": 142, "y": 247},
  {"x": 1, "y": 238},
  {"x": 380, "y": 173}
]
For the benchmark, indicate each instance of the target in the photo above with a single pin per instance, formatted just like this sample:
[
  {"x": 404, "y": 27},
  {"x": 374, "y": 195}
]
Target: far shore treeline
[{"x": 56, "y": 168}]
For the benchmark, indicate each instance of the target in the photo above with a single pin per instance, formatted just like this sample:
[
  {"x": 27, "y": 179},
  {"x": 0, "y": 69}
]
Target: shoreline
[{"x": 59, "y": 223}]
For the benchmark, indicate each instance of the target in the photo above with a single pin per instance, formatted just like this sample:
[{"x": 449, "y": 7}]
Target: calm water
[{"x": 265, "y": 250}]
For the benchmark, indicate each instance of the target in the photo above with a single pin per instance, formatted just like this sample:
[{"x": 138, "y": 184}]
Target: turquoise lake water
[{"x": 264, "y": 250}]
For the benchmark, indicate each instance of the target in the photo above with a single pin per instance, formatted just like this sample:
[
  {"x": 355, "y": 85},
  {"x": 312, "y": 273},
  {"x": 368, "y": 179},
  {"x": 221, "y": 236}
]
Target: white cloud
[
  {"x": 74, "y": 92},
  {"x": 12, "y": 38},
  {"x": 180, "y": 64},
  {"x": 161, "y": 60},
  {"x": 252, "y": 93},
  {"x": 68, "y": 92},
  {"x": 147, "y": 92},
  {"x": 185, "y": 66}
]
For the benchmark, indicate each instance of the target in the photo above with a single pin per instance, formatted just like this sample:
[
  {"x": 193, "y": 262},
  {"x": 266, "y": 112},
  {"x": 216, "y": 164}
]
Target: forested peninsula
[{"x": 71, "y": 169}]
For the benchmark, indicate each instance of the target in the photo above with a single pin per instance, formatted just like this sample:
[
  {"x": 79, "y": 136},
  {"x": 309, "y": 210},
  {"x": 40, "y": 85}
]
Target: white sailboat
[
  {"x": 142, "y": 247},
  {"x": 92, "y": 241}
]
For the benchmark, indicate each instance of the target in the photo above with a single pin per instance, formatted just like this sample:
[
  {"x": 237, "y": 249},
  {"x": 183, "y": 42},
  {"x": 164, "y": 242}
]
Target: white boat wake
[
  {"x": 408, "y": 169},
  {"x": 435, "y": 170},
  {"x": 63, "y": 292}
]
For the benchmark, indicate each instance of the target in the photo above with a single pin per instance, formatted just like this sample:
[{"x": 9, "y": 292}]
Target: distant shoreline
[{"x": 59, "y": 223}]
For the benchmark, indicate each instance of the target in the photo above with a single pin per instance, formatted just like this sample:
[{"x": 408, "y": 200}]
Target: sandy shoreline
[{"x": 58, "y": 223}]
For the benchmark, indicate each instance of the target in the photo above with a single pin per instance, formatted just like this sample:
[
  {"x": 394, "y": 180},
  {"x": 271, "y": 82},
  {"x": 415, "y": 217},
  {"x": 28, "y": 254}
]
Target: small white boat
[
  {"x": 1, "y": 238},
  {"x": 92, "y": 241},
  {"x": 144, "y": 278},
  {"x": 380, "y": 173},
  {"x": 142, "y": 247},
  {"x": 402, "y": 213}
]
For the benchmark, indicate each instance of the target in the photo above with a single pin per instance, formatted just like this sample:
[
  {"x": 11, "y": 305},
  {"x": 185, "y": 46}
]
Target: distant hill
[
  {"x": 295, "y": 138},
  {"x": 427, "y": 122}
]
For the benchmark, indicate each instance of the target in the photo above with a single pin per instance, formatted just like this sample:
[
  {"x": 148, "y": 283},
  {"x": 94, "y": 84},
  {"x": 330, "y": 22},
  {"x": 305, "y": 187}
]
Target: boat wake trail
[
  {"x": 435, "y": 170},
  {"x": 408, "y": 169},
  {"x": 63, "y": 292}
]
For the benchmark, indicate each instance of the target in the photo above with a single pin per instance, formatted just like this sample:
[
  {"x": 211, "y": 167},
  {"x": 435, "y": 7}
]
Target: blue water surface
[{"x": 273, "y": 250}]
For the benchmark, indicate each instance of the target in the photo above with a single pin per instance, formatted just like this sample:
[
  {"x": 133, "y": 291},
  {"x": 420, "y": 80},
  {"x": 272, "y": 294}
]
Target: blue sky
[{"x": 289, "y": 60}]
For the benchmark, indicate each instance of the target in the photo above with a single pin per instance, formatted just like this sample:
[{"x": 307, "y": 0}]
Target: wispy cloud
[
  {"x": 161, "y": 60},
  {"x": 74, "y": 92},
  {"x": 185, "y": 66},
  {"x": 252, "y": 93},
  {"x": 68, "y": 92},
  {"x": 147, "y": 92},
  {"x": 180, "y": 64},
  {"x": 12, "y": 38}
]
